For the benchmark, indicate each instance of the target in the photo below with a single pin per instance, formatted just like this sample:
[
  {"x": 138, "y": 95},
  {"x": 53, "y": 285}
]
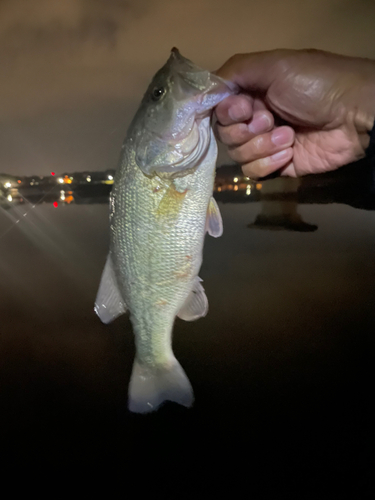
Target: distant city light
[
  {"x": 235, "y": 188},
  {"x": 68, "y": 197},
  {"x": 258, "y": 186},
  {"x": 235, "y": 179},
  {"x": 52, "y": 173},
  {"x": 110, "y": 177},
  {"x": 9, "y": 197},
  {"x": 88, "y": 178},
  {"x": 62, "y": 195},
  {"x": 19, "y": 181},
  {"x": 247, "y": 178},
  {"x": 7, "y": 185},
  {"x": 60, "y": 180},
  {"x": 248, "y": 189},
  {"x": 55, "y": 204}
]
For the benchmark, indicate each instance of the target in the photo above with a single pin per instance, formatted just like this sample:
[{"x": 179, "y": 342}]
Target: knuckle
[
  {"x": 239, "y": 154},
  {"x": 262, "y": 167},
  {"x": 249, "y": 170},
  {"x": 225, "y": 139},
  {"x": 237, "y": 134},
  {"x": 233, "y": 153},
  {"x": 256, "y": 168},
  {"x": 216, "y": 131},
  {"x": 235, "y": 58},
  {"x": 223, "y": 135},
  {"x": 258, "y": 144}
]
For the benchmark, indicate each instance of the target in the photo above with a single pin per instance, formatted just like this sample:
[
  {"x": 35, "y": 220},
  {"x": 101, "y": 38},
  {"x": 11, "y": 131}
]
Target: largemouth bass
[{"x": 161, "y": 206}]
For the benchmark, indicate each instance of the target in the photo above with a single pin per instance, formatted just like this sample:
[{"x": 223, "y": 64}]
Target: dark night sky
[{"x": 73, "y": 71}]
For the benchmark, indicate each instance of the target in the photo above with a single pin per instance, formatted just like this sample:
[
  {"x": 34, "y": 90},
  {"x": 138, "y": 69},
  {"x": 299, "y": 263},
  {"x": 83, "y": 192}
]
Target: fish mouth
[
  {"x": 199, "y": 78},
  {"x": 175, "y": 52}
]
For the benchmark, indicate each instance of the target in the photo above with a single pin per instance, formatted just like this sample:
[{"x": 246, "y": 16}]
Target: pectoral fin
[
  {"x": 196, "y": 305},
  {"x": 109, "y": 303},
  {"x": 214, "y": 222}
]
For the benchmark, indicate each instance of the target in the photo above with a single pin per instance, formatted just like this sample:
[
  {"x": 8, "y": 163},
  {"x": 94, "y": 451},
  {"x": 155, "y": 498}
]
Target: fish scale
[{"x": 152, "y": 251}]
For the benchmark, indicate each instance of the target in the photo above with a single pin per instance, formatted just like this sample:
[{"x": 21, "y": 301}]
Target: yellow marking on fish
[
  {"x": 170, "y": 281},
  {"x": 185, "y": 269},
  {"x": 181, "y": 274},
  {"x": 161, "y": 302},
  {"x": 171, "y": 203}
]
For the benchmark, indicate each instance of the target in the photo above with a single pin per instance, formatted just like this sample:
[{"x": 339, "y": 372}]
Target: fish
[{"x": 161, "y": 207}]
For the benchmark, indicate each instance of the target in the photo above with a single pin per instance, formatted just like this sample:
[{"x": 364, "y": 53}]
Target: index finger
[{"x": 255, "y": 71}]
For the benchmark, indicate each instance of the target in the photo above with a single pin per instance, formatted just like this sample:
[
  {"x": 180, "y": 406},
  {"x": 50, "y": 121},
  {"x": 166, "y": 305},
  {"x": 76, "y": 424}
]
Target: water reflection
[
  {"x": 279, "y": 207},
  {"x": 279, "y": 198}
]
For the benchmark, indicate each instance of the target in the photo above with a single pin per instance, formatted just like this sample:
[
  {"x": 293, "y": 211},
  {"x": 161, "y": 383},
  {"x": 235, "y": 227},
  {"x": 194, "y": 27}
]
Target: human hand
[{"x": 300, "y": 112}]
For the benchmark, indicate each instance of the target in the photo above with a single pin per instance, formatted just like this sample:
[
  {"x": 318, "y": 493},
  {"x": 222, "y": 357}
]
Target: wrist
[
  {"x": 370, "y": 149},
  {"x": 364, "y": 116}
]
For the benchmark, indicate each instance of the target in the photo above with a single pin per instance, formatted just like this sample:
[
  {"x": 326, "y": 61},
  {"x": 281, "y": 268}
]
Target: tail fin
[{"x": 150, "y": 387}]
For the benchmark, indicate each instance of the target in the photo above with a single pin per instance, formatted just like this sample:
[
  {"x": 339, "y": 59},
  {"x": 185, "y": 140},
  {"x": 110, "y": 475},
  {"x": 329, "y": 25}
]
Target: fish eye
[{"x": 157, "y": 93}]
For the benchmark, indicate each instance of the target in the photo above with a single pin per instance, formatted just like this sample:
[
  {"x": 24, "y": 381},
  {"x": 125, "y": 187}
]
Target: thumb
[{"x": 253, "y": 72}]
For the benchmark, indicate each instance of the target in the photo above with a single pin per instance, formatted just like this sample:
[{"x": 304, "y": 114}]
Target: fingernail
[
  {"x": 237, "y": 113},
  {"x": 259, "y": 124},
  {"x": 281, "y": 155},
  {"x": 282, "y": 136}
]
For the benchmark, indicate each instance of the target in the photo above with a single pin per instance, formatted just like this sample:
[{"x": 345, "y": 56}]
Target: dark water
[{"x": 282, "y": 366}]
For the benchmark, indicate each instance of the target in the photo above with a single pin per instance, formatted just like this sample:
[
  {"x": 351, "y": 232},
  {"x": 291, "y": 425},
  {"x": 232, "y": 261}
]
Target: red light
[
  {"x": 55, "y": 204},
  {"x": 52, "y": 173}
]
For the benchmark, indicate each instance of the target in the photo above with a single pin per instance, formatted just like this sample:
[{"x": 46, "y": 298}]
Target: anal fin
[{"x": 109, "y": 303}]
